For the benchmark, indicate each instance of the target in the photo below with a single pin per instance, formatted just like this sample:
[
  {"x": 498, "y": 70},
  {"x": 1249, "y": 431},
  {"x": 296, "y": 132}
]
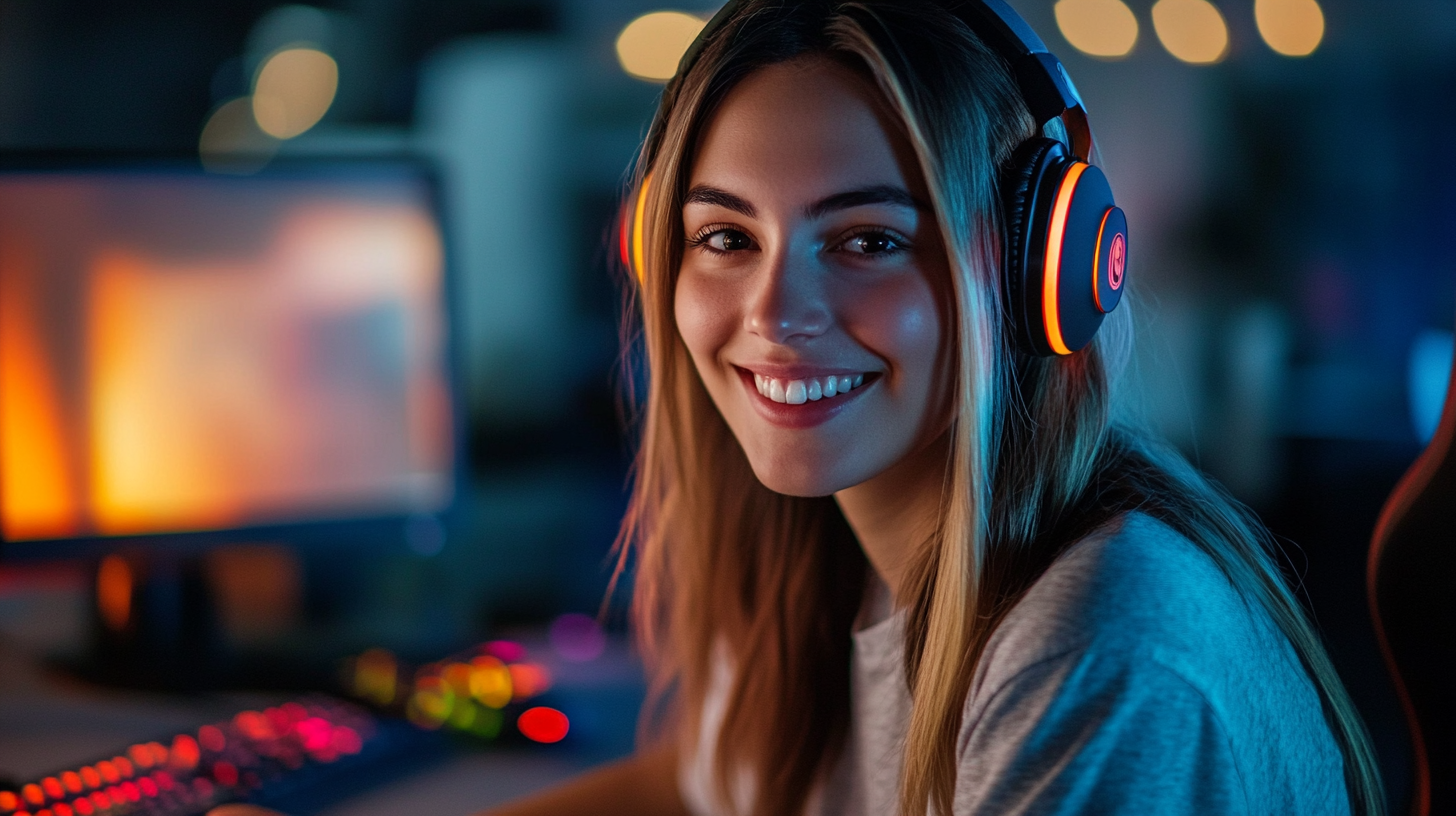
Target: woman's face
[{"x": 814, "y": 290}]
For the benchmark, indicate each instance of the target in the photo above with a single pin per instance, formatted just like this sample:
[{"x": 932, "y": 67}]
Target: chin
[{"x": 797, "y": 479}]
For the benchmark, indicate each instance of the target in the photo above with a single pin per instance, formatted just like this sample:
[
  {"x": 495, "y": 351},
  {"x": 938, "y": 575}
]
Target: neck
[{"x": 894, "y": 514}]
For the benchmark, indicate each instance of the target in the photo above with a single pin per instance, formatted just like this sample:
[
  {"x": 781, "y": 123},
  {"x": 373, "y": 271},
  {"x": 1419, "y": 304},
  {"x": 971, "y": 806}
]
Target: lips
[{"x": 798, "y": 398}]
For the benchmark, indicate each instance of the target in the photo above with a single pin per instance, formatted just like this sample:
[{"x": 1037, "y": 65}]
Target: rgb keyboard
[
  {"x": 254, "y": 756},
  {"x": 318, "y": 748}
]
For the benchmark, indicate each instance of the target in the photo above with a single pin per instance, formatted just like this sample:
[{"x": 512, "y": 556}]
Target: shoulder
[
  {"x": 1133, "y": 667},
  {"x": 1134, "y": 588}
]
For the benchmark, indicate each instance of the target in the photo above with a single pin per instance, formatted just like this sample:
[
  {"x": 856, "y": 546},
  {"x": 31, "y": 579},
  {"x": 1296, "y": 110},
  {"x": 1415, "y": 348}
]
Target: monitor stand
[{"x": 154, "y": 625}]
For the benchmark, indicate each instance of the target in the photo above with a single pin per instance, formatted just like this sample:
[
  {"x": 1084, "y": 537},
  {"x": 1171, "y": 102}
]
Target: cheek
[
  {"x": 902, "y": 324},
  {"x": 705, "y": 316}
]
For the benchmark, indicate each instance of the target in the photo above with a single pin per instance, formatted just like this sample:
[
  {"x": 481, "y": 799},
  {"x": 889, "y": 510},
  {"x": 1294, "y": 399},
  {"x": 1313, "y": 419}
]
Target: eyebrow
[{"x": 878, "y": 194}]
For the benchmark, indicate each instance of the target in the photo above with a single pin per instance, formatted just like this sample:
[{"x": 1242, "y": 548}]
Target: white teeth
[{"x": 798, "y": 392}]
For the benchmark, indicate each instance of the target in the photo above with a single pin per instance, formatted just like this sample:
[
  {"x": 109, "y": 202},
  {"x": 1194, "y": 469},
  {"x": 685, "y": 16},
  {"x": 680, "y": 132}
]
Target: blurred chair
[{"x": 1412, "y": 593}]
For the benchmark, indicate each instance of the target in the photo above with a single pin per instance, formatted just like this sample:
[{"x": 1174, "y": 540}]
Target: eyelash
[
  {"x": 699, "y": 240},
  {"x": 899, "y": 242}
]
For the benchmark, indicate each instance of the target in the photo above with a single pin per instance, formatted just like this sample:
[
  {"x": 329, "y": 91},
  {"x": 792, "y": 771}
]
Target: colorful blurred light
[
  {"x": 114, "y": 584},
  {"x": 542, "y": 724},
  {"x": 231, "y": 141},
  {"x": 651, "y": 46},
  {"x": 490, "y": 681},
  {"x": 431, "y": 703},
  {"x": 293, "y": 90},
  {"x": 212, "y": 738},
  {"x": 1293, "y": 28},
  {"x": 376, "y": 677},
  {"x": 529, "y": 680},
  {"x": 1192, "y": 30},
  {"x": 507, "y": 650},
  {"x": 1099, "y": 28},
  {"x": 577, "y": 637},
  {"x": 185, "y": 753}
]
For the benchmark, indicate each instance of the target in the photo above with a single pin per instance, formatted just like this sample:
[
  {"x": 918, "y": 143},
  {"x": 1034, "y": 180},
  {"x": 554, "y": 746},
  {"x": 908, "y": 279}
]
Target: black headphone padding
[{"x": 1022, "y": 180}]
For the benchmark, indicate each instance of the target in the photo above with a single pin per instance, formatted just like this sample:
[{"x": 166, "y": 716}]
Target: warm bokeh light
[
  {"x": 114, "y": 583},
  {"x": 231, "y": 141},
  {"x": 542, "y": 724},
  {"x": 1100, "y": 28},
  {"x": 650, "y": 46},
  {"x": 490, "y": 681},
  {"x": 376, "y": 677},
  {"x": 1192, "y": 30},
  {"x": 184, "y": 753},
  {"x": 529, "y": 680},
  {"x": 1293, "y": 28},
  {"x": 293, "y": 91}
]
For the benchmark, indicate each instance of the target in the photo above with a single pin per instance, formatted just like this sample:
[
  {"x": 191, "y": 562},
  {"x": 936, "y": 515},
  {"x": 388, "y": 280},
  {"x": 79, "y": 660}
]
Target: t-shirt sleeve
[{"x": 1081, "y": 735}]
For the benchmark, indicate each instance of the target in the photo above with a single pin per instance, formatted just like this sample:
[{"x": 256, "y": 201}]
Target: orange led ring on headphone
[{"x": 1051, "y": 276}]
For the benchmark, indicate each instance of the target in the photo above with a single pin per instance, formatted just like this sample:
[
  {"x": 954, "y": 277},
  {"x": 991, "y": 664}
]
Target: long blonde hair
[{"x": 721, "y": 562}]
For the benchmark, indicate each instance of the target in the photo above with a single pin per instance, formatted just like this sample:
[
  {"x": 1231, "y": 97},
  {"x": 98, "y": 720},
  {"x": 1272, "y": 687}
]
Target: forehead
[{"x": 802, "y": 130}]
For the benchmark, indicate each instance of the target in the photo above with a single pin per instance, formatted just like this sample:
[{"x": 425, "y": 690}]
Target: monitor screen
[{"x": 190, "y": 352}]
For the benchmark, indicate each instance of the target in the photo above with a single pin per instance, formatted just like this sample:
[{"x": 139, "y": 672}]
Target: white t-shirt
[{"x": 1130, "y": 679}]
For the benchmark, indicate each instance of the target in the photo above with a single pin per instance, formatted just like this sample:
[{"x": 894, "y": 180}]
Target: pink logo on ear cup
[{"x": 1117, "y": 261}]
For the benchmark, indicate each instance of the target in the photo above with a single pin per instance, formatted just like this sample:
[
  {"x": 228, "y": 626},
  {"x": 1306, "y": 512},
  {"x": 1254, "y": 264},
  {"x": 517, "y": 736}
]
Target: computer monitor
[{"x": 199, "y": 357}]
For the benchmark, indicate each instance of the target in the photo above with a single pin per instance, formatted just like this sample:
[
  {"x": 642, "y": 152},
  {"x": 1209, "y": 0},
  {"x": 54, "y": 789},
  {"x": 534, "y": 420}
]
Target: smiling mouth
[{"x": 811, "y": 389}]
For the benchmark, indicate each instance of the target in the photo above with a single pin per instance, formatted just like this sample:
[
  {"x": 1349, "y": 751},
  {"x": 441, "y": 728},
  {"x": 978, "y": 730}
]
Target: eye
[
  {"x": 874, "y": 242},
  {"x": 722, "y": 239}
]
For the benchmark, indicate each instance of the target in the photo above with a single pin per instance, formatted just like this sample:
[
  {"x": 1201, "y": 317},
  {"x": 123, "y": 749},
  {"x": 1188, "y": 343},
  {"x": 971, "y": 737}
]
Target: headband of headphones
[{"x": 1045, "y": 86}]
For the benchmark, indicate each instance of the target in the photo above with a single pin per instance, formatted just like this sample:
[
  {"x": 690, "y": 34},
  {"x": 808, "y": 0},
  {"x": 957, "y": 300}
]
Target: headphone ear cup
[{"x": 1026, "y": 202}]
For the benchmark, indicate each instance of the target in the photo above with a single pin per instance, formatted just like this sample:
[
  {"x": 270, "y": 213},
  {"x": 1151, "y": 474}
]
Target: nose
[{"x": 788, "y": 302}]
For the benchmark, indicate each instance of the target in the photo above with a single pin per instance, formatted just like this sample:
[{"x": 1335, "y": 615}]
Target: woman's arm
[{"x": 644, "y": 784}]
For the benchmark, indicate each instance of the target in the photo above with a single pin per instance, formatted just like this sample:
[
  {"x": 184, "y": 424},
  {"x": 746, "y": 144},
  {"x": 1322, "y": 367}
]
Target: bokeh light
[
  {"x": 490, "y": 681},
  {"x": 1099, "y": 28},
  {"x": 542, "y": 724},
  {"x": 1192, "y": 30},
  {"x": 1293, "y": 28},
  {"x": 293, "y": 91},
  {"x": 529, "y": 680},
  {"x": 650, "y": 46},
  {"x": 577, "y": 637},
  {"x": 376, "y": 677},
  {"x": 232, "y": 142},
  {"x": 113, "y": 592}
]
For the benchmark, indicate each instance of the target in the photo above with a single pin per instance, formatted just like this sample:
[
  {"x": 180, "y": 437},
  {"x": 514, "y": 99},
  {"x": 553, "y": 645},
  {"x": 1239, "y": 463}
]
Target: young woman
[{"x": 888, "y": 560}]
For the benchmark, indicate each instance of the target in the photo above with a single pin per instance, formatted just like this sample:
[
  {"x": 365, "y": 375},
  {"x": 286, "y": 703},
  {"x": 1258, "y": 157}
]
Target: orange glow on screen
[
  {"x": 36, "y": 485},
  {"x": 178, "y": 356}
]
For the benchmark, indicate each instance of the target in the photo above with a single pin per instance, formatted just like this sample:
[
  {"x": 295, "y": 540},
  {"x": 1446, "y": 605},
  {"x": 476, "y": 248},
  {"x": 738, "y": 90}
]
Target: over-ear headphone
[{"x": 1064, "y": 239}]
